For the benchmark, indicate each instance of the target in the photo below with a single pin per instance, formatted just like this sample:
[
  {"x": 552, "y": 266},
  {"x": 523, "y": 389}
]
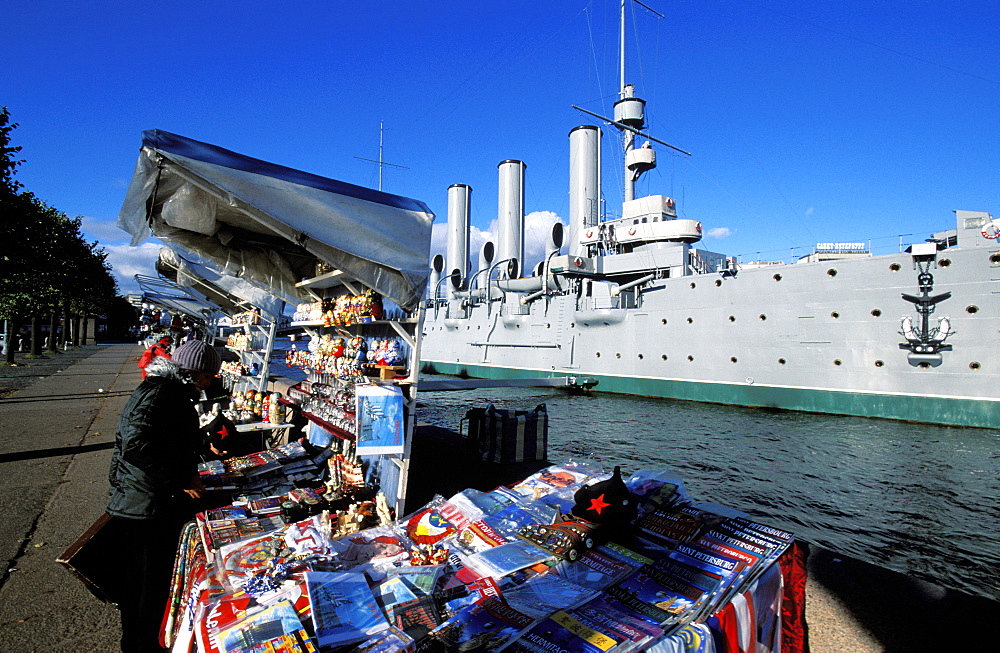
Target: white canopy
[
  {"x": 187, "y": 269},
  {"x": 271, "y": 225}
]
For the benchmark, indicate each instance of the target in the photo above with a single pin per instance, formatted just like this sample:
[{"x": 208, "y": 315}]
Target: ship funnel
[
  {"x": 584, "y": 185},
  {"x": 510, "y": 216},
  {"x": 486, "y": 255},
  {"x": 555, "y": 239},
  {"x": 437, "y": 265},
  {"x": 459, "y": 204}
]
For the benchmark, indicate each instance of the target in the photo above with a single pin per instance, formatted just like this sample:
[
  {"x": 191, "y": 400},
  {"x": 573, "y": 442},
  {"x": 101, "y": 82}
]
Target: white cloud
[
  {"x": 127, "y": 261},
  {"x": 719, "y": 232},
  {"x": 810, "y": 210},
  {"x": 104, "y": 231}
]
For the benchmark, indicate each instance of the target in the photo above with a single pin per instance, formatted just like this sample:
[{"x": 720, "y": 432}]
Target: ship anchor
[{"x": 925, "y": 343}]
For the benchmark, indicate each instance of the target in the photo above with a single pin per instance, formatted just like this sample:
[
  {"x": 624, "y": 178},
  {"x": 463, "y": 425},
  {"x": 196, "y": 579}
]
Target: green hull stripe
[{"x": 933, "y": 410}]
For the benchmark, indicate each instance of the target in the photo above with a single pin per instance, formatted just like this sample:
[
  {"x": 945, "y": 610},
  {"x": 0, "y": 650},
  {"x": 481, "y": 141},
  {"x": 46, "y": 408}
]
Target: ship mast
[{"x": 630, "y": 119}]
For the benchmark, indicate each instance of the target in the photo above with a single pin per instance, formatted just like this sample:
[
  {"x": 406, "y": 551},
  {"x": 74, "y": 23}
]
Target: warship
[{"x": 631, "y": 304}]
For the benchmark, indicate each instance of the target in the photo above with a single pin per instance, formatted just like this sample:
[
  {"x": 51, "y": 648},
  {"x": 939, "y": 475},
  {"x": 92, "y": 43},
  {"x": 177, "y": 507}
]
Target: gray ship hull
[{"x": 821, "y": 337}]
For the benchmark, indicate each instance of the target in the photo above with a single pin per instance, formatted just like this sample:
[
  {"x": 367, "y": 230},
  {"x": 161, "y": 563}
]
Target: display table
[{"x": 460, "y": 574}]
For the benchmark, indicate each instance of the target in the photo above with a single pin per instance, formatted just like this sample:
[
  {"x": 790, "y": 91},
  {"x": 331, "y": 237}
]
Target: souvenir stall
[
  {"x": 178, "y": 300},
  {"x": 571, "y": 558},
  {"x": 305, "y": 238}
]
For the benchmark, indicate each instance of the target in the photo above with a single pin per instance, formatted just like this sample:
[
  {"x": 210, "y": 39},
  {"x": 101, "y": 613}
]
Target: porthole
[
  {"x": 598, "y": 354},
  {"x": 974, "y": 365},
  {"x": 732, "y": 359},
  {"x": 972, "y": 310},
  {"x": 832, "y": 272},
  {"x": 895, "y": 267},
  {"x": 518, "y": 326},
  {"x": 639, "y": 356},
  {"x": 994, "y": 258},
  {"x": 879, "y": 363},
  {"x": 478, "y": 327},
  {"x": 690, "y": 320},
  {"x": 718, "y": 282},
  {"x": 762, "y": 317},
  {"x": 876, "y": 312},
  {"x": 945, "y": 262},
  {"x": 663, "y": 321},
  {"x": 690, "y": 359},
  {"x": 467, "y": 328},
  {"x": 924, "y": 365},
  {"x": 572, "y": 325},
  {"x": 548, "y": 325},
  {"x": 692, "y": 284},
  {"x": 777, "y": 277},
  {"x": 838, "y": 362},
  {"x": 781, "y": 361},
  {"x": 835, "y": 315},
  {"x": 732, "y": 318},
  {"x": 663, "y": 357},
  {"x": 618, "y": 355}
]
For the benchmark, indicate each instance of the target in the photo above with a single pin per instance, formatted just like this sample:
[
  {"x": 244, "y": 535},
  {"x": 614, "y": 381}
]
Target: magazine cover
[
  {"x": 485, "y": 626},
  {"x": 278, "y": 623},
  {"x": 380, "y": 420},
  {"x": 594, "y": 569},
  {"x": 344, "y": 611}
]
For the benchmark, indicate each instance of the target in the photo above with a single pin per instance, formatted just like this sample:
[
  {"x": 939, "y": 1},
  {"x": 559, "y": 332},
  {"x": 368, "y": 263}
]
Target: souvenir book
[
  {"x": 416, "y": 617},
  {"x": 274, "y": 625},
  {"x": 344, "y": 611},
  {"x": 380, "y": 420},
  {"x": 424, "y": 578},
  {"x": 658, "y": 597},
  {"x": 485, "y": 626},
  {"x": 594, "y": 570},
  {"x": 542, "y": 595},
  {"x": 390, "y": 640},
  {"x": 393, "y": 591},
  {"x": 506, "y": 559},
  {"x": 593, "y": 628}
]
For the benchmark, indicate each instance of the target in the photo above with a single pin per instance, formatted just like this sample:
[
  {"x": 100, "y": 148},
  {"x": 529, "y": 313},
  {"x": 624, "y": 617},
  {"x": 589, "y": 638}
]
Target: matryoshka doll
[
  {"x": 360, "y": 355},
  {"x": 393, "y": 353},
  {"x": 374, "y": 306}
]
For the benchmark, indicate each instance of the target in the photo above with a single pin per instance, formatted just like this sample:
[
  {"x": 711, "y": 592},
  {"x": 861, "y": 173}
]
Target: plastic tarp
[
  {"x": 270, "y": 224},
  {"x": 173, "y": 297},
  {"x": 187, "y": 269}
]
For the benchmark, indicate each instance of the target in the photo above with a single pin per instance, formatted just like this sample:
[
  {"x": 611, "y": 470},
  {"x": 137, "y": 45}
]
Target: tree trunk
[
  {"x": 10, "y": 328},
  {"x": 50, "y": 342},
  {"x": 66, "y": 335},
  {"x": 36, "y": 336}
]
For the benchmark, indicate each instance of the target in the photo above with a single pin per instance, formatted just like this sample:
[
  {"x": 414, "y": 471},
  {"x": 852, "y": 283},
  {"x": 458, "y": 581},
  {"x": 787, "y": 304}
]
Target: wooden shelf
[
  {"x": 328, "y": 280},
  {"x": 320, "y": 323}
]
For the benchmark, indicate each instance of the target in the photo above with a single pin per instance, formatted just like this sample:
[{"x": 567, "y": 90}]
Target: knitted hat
[{"x": 198, "y": 356}]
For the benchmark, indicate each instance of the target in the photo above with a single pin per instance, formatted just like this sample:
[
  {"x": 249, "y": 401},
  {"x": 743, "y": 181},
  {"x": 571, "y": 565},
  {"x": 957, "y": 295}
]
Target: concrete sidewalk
[{"x": 55, "y": 444}]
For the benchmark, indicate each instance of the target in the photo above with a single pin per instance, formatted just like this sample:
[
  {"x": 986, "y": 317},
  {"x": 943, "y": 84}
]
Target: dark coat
[{"x": 155, "y": 455}]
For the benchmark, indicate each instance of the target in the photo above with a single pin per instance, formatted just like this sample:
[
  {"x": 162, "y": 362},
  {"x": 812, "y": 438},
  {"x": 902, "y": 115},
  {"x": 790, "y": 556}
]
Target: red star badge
[{"x": 598, "y": 504}]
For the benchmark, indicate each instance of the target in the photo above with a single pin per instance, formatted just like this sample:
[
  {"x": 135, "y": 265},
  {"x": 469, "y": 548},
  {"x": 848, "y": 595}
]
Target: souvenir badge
[{"x": 428, "y": 527}]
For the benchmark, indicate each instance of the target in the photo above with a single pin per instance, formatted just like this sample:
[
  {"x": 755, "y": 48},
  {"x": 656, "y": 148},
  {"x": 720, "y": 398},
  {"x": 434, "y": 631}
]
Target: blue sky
[{"x": 808, "y": 122}]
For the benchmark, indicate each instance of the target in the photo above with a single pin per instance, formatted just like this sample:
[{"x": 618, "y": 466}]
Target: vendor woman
[{"x": 154, "y": 480}]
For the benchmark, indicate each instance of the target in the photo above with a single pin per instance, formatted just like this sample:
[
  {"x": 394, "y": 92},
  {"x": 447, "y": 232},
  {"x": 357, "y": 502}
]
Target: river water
[{"x": 919, "y": 499}]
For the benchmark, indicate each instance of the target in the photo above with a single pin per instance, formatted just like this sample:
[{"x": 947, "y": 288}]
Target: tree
[{"x": 46, "y": 265}]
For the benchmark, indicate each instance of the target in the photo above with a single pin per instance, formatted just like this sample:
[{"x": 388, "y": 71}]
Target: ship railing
[{"x": 697, "y": 263}]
